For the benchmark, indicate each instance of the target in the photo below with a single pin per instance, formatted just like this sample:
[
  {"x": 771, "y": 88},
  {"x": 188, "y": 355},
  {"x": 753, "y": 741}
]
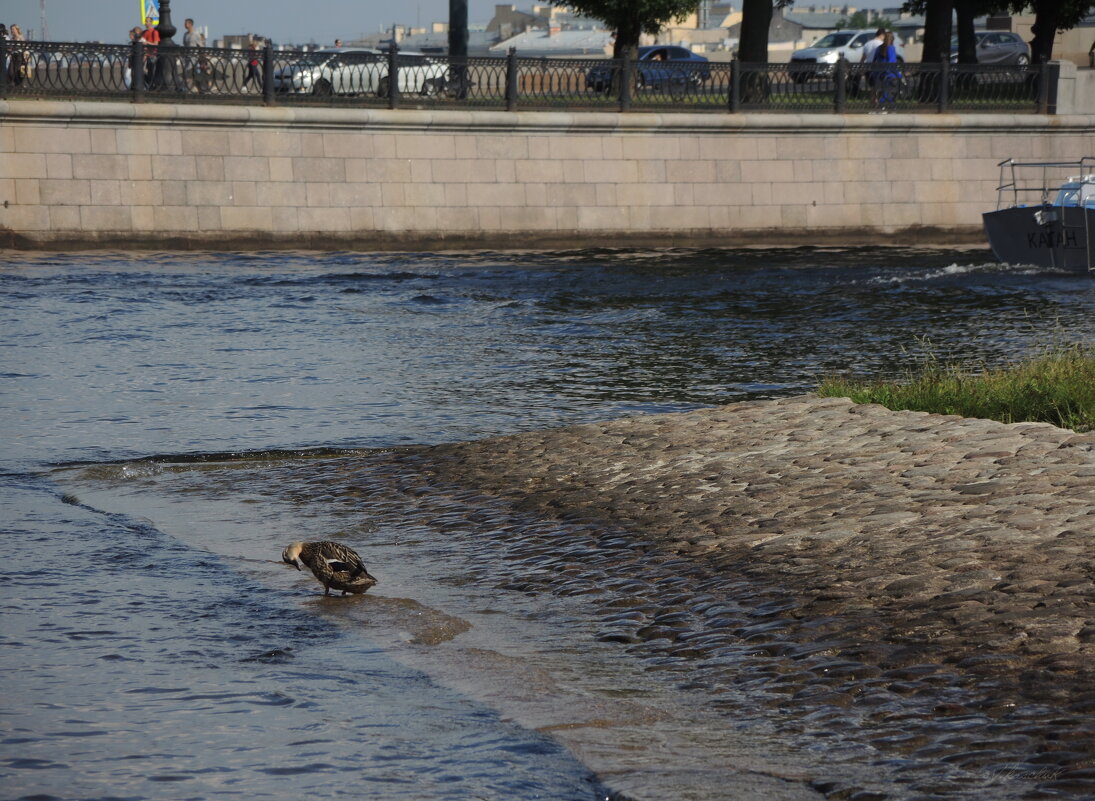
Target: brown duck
[{"x": 332, "y": 564}]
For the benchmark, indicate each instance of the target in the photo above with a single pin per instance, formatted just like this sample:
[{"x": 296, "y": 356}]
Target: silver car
[
  {"x": 997, "y": 47},
  {"x": 827, "y": 50},
  {"x": 359, "y": 71}
]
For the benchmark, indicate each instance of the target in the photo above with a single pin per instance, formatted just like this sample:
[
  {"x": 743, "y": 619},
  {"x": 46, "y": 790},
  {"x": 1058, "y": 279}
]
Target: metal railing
[
  {"x": 1035, "y": 183},
  {"x": 391, "y": 79}
]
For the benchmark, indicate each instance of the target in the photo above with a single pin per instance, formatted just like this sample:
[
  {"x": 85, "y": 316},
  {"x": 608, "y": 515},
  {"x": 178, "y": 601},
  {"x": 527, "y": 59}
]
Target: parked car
[
  {"x": 657, "y": 67},
  {"x": 997, "y": 47},
  {"x": 359, "y": 71},
  {"x": 418, "y": 74},
  {"x": 827, "y": 50}
]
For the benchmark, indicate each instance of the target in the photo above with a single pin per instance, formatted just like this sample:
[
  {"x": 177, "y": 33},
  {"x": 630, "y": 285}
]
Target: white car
[
  {"x": 827, "y": 50},
  {"x": 359, "y": 71}
]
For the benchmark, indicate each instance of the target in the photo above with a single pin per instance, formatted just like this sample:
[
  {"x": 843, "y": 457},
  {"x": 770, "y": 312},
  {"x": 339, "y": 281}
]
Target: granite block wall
[{"x": 116, "y": 174}]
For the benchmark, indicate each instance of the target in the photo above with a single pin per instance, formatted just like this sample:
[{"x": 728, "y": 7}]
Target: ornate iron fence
[{"x": 361, "y": 77}]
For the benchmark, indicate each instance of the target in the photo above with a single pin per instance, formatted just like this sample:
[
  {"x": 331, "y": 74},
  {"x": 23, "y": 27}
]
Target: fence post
[
  {"x": 511, "y": 79},
  {"x": 840, "y": 94},
  {"x": 626, "y": 71},
  {"x": 268, "y": 74},
  {"x": 944, "y": 82},
  {"x": 735, "y": 85},
  {"x": 137, "y": 71},
  {"x": 393, "y": 75}
]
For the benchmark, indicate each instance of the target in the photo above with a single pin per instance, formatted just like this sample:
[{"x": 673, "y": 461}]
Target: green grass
[{"x": 1057, "y": 388}]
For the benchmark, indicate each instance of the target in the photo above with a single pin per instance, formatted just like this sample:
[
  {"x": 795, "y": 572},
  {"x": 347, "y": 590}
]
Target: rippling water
[{"x": 156, "y": 650}]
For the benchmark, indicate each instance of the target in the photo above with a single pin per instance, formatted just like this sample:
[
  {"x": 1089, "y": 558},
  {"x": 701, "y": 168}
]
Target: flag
[{"x": 150, "y": 10}]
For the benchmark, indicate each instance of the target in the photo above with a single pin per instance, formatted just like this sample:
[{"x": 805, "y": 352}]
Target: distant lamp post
[
  {"x": 167, "y": 73},
  {"x": 165, "y": 27}
]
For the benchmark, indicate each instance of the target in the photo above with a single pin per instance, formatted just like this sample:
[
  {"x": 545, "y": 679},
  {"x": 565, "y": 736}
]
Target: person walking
[
  {"x": 866, "y": 56},
  {"x": 872, "y": 45},
  {"x": 151, "y": 38},
  {"x": 888, "y": 79},
  {"x": 253, "y": 72},
  {"x": 20, "y": 57},
  {"x": 194, "y": 73},
  {"x": 131, "y": 65}
]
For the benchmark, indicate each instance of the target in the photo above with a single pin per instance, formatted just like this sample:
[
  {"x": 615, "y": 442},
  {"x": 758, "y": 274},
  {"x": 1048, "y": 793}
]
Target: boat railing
[{"x": 1035, "y": 182}]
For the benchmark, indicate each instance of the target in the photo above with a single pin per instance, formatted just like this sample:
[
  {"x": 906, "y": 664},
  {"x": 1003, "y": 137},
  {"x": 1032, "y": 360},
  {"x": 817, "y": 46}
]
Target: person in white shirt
[
  {"x": 195, "y": 73},
  {"x": 857, "y": 79},
  {"x": 872, "y": 45}
]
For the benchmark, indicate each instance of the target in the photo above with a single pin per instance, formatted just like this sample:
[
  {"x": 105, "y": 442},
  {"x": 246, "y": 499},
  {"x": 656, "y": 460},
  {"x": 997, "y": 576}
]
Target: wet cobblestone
[{"x": 915, "y": 575}]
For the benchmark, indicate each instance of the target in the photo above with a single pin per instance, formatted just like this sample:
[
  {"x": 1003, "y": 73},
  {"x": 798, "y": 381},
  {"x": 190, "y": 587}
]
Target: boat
[{"x": 1045, "y": 214}]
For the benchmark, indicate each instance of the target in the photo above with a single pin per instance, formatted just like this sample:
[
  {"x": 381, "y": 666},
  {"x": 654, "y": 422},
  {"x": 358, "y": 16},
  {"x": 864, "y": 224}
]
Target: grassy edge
[{"x": 1057, "y": 387}]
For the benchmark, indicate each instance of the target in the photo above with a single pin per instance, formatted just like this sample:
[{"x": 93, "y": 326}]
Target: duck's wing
[{"x": 340, "y": 559}]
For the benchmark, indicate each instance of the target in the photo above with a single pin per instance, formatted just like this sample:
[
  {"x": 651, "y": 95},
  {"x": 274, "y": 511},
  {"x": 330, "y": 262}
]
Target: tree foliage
[
  {"x": 861, "y": 19},
  {"x": 1050, "y": 16},
  {"x": 631, "y": 18}
]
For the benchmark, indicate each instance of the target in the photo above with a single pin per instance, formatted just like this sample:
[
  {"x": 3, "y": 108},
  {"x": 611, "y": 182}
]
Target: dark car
[
  {"x": 997, "y": 47},
  {"x": 658, "y": 67}
]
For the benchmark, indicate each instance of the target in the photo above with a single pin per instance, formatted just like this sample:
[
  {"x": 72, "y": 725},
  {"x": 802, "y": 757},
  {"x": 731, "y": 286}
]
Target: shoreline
[
  {"x": 929, "y": 237},
  {"x": 925, "y": 538}
]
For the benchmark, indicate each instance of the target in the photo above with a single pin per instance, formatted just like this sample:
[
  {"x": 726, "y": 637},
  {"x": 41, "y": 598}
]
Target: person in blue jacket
[{"x": 886, "y": 79}]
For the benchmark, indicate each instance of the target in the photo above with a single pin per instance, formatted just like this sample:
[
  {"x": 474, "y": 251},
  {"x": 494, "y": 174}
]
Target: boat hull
[{"x": 1061, "y": 237}]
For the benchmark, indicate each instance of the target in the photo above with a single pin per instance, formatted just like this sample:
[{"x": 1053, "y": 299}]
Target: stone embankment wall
[{"x": 116, "y": 174}]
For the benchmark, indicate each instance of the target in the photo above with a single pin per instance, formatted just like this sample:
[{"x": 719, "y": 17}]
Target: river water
[{"x": 172, "y": 420}]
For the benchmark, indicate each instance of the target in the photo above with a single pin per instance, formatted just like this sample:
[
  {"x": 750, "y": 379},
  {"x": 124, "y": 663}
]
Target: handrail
[
  {"x": 378, "y": 79},
  {"x": 1027, "y": 186}
]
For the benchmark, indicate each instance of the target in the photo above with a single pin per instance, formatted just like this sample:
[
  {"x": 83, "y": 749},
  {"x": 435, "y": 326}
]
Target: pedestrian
[
  {"x": 134, "y": 37},
  {"x": 872, "y": 45},
  {"x": 866, "y": 57},
  {"x": 253, "y": 72},
  {"x": 193, "y": 70},
  {"x": 151, "y": 37},
  {"x": 20, "y": 57},
  {"x": 887, "y": 78}
]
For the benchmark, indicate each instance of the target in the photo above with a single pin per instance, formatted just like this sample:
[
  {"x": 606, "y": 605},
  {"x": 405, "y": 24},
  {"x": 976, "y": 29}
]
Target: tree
[
  {"x": 937, "y": 31},
  {"x": 756, "y": 19},
  {"x": 631, "y": 18},
  {"x": 965, "y": 11},
  {"x": 1051, "y": 16},
  {"x": 857, "y": 20}
]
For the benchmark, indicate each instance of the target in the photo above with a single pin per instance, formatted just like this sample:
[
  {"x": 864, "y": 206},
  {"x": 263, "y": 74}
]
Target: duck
[{"x": 333, "y": 565}]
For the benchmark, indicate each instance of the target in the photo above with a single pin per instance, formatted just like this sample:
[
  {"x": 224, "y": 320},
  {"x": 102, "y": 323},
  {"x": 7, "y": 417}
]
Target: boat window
[{"x": 1068, "y": 196}]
